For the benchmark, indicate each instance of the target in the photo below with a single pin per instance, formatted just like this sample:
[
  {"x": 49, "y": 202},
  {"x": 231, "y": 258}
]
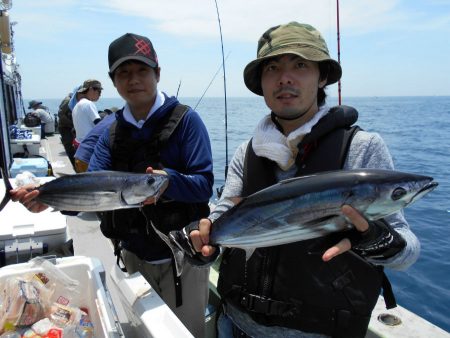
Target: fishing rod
[
  {"x": 338, "y": 48},
  {"x": 209, "y": 85},
  {"x": 225, "y": 94},
  {"x": 179, "y": 85}
]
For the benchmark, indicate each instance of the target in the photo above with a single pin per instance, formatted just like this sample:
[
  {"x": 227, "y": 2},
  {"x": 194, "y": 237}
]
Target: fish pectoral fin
[
  {"x": 322, "y": 220},
  {"x": 248, "y": 253}
]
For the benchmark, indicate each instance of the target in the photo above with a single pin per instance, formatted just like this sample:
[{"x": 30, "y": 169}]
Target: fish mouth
[
  {"x": 425, "y": 190},
  {"x": 428, "y": 187}
]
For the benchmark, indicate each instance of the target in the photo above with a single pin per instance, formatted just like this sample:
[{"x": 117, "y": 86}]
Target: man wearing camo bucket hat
[{"x": 323, "y": 287}]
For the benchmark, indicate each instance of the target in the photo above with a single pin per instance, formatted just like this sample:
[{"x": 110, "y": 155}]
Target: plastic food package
[{"x": 23, "y": 301}]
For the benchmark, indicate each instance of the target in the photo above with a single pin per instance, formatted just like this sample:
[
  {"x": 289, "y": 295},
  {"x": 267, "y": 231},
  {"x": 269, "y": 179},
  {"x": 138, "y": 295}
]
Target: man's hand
[
  {"x": 26, "y": 195},
  {"x": 153, "y": 200},
  {"x": 344, "y": 245},
  {"x": 200, "y": 238}
]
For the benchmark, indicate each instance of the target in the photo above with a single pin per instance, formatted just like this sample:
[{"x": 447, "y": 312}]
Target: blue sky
[{"x": 388, "y": 47}]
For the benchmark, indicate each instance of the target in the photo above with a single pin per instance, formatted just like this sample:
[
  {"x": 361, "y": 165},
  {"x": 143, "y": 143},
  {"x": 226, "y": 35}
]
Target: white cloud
[{"x": 245, "y": 20}]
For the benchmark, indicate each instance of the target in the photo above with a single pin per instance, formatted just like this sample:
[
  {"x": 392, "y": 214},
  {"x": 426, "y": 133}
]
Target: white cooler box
[
  {"x": 36, "y": 165},
  {"x": 35, "y": 130},
  {"x": 90, "y": 274},
  {"x": 32, "y": 145},
  {"x": 24, "y": 234},
  {"x": 147, "y": 313}
]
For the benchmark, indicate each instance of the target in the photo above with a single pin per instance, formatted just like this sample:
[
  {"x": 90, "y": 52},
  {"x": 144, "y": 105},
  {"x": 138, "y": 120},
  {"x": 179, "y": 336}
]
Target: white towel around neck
[{"x": 269, "y": 142}]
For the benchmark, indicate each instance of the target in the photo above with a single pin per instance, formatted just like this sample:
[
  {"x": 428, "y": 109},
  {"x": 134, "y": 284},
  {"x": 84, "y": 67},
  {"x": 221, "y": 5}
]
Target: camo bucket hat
[{"x": 292, "y": 38}]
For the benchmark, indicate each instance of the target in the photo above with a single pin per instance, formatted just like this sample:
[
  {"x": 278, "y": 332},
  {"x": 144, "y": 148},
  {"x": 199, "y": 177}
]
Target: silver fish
[
  {"x": 310, "y": 206},
  {"x": 96, "y": 191}
]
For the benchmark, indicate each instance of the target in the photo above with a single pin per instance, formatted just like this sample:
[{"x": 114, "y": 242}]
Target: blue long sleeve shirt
[
  {"x": 87, "y": 146},
  {"x": 187, "y": 156}
]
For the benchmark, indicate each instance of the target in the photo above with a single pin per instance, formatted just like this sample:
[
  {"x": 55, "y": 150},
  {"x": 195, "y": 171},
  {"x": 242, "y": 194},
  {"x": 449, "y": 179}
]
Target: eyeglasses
[{"x": 97, "y": 89}]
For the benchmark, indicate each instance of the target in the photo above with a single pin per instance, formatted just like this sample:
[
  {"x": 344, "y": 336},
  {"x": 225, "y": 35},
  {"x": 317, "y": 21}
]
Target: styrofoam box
[
  {"x": 32, "y": 145},
  {"x": 37, "y": 165},
  {"x": 90, "y": 274},
  {"x": 21, "y": 228}
]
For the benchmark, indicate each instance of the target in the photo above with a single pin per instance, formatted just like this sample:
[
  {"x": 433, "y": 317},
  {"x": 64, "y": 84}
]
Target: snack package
[
  {"x": 85, "y": 328},
  {"x": 23, "y": 302},
  {"x": 65, "y": 317},
  {"x": 67, "y": 291}
]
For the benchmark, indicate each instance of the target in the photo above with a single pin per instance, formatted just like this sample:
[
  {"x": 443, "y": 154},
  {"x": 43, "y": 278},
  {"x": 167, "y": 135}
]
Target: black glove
[
  {"x": 182, "y": 239},
  {"x": 380, "y": 241}
]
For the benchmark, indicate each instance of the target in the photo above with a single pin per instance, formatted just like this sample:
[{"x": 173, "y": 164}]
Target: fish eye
[
  {"x": 398, "y": 193},
  {"x": 150, "y": 180}
]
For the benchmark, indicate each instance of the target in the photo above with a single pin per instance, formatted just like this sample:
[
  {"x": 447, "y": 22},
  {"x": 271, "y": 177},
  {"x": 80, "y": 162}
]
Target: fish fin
[
  {"x": 322, "y": 220},
  {"x": 8, "y": 187},
  {"x": 248, "y": 253},
  {"x": 328, "y": 224},
  {"x": 181, "y": 238},
  {"x": 178, "y": 254}
]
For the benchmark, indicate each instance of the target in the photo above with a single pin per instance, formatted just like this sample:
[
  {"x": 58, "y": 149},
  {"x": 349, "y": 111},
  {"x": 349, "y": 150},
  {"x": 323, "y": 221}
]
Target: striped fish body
[
  {"x": 101, "y": 191},
  {"x": 309, "y": 207}
]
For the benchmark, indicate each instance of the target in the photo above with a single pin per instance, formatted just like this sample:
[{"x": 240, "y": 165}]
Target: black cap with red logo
[{"x": 131, "y": 47}]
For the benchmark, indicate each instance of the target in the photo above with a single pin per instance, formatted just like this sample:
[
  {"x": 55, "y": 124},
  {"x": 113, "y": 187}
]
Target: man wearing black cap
[
  {"x": 314, "y": 288},
  {"x": 155, "y": 133}
]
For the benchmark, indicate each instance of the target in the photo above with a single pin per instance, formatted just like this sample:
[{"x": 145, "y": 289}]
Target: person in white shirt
[{"x": 85, "y": 114}]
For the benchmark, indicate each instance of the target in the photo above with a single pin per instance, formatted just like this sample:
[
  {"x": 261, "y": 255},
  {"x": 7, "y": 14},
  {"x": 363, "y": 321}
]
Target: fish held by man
[
  {"x": 309, "y": 207},
  {"x": 96, "y": 191}
]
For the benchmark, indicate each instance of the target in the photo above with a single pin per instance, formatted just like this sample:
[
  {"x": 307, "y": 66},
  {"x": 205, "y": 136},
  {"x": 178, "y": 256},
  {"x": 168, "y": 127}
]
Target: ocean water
[{"x": 416, "y": 130}]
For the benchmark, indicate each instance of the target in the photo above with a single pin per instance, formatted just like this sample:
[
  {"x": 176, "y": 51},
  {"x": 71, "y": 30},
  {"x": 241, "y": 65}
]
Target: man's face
[
  {"x": 93, "y": 93},
  {"x": 137, "y": 83},
  {"x": 289, "y": 84}
]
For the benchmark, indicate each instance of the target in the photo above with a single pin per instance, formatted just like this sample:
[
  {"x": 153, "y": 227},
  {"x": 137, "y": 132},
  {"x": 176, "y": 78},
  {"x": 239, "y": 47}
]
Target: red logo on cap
[{"x": 143, "y": 47}]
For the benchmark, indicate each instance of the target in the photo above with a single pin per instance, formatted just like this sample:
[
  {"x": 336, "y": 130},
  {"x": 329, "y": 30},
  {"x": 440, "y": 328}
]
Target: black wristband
[{"x": 380, "y": 241}]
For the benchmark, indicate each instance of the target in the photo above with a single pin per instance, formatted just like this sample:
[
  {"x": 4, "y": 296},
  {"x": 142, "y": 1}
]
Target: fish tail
[
  {"x": 178, "y": 254},
  {"x": 8, "y": 187}
]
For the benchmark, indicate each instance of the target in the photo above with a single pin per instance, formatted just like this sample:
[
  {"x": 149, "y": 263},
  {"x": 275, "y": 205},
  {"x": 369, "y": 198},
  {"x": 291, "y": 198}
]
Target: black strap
[
  {"x": 123, "y": 147},
  {"x": 118, "y": 254},
  {"x": 267, "y": 306},
  {"x": 388, "y": 294},
  {"x": 307, "y": 317},
  {"x": 177, "y": 285},
  {"x": 255, "y": 179}
]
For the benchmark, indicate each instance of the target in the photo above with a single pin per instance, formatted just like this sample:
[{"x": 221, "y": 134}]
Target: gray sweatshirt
[{"x": 367, "y": 150}]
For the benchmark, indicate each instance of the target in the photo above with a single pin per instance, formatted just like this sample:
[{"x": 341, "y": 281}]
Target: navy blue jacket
[{"x": 189, "y": 150}]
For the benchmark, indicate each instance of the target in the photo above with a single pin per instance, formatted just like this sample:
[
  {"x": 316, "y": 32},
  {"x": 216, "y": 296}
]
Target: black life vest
[
  {"x": 290, "y": 285},
  {"x": 133, "y": 155},
  {"x": 65, "y": 113}
]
